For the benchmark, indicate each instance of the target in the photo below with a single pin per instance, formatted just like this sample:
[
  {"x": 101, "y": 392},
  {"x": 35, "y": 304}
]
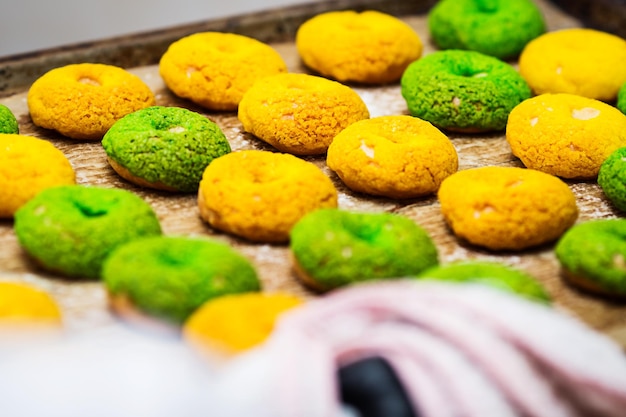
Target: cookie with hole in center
[
  {"x": 464, "y": 91},
  {"x": 300, "y": 113},
  {"x": 367, "y": 47},
  {"x": 395, "y": 156},
  {"x": 82, "y": 101},
  {"x": 165, "y": 148},
  {"x": 507, "y": 208},
  {"x": 215, "y": 69},
  {"x": 580, "y": 61},
  {"x": 565, "y": 135}
]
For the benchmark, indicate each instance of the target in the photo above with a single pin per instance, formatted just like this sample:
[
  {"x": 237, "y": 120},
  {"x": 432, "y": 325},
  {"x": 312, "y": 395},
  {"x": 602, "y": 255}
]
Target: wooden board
[{"x": 84, "y": 302}]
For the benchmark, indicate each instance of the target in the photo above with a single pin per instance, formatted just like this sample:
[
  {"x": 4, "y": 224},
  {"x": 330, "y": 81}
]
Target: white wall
[{"x": 30, "y": 25}]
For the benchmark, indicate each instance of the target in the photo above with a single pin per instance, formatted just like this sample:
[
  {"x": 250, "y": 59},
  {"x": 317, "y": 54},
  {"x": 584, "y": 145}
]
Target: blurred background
[{"x": 32, "y": 25}]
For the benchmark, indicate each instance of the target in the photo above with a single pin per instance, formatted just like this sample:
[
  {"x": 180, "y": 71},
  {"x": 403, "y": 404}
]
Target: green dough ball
[
  {"x": 167, "y": 145},
  {"x": 335, "y": 247},
  {"x": 8, "y": 122},
  {"x": 612, "y": 178},
  {"x": 499, "y": 28},
  {"x": 593, "y": 255},
  {"x": 71, "y": 229},
  {"x": 463, "y": 90},
  {"x": 490, "y": 273},
  {"x": 621, "y": 99},
  {"x": 170, "y": 277}
]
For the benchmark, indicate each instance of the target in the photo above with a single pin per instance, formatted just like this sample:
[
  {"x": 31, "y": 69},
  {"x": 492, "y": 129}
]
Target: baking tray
[{"x": 84, "y": 303}]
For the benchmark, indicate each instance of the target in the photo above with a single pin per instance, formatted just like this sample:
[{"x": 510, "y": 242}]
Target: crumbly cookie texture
[
  {"x": 565, "y": 135},
  {"x": 507, "y": 208},
  {"x": 299, "y": 113},
  {"x": 260, "y": 195},
  {"x": 29, "y": 165},
  {"x": 215, "y": 69},
  {"x": 233, "y": 323},
  {"x": 367, "y": 47},
  {"x": 494, "y": 274},
  {"x": 463, "y": 90},
  {"x": 612, "y": 178},
  {"x": 593, "y": 256},
  {"x": 392, "y": 156},
  {"x": 82, "y": 101},
  {"x": 26, "y": 305},
  {"x": 333, "y": 248},
  {"x": 164, "y": 147},
  {"x": 169, "y": 277},
  {"x": 496, "y": 28},
  {"x": 585, "y": 62},
  {"x": 71, "y": 229},
  {"x": 8, "y": 122}
]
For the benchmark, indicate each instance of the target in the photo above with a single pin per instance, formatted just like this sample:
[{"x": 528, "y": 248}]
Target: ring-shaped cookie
[
  {"x": 260, "y": 195},
  {"x": 496, "y": 28},
  {"x": 71, "y": 229},
  {"x": 392, "y": 156},
  {"x": 565, "y": 135},
  {"x": 299, "y": 113},
  {"x": 507, "y": 208},
  {"x": 368, "y": 47},
  {"x": 332, "y": 248},
  {"x": 29, "y": 165},
  {"x": 215, "y": 69},
  {"x": 495, "y": 274},
  {"x": 592, "y": 255},
  {"x": 8, "y": 122},
  {"x": 82, "y": 101},
  {"x": 463, "y": 91},
  {"x": 585, "y": 62},
  {"x": 169, "y": 277},
  {"x": 612, "y": 178},
  {"x": 166, "y": 148}
]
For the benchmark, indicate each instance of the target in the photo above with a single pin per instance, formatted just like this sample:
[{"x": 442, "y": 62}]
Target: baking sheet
[{"x": 84, "y": 303}]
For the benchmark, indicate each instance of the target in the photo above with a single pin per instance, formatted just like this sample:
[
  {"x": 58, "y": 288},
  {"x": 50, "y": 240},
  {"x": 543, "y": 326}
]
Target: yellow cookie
[
  {"x": 234, "y": 323},
  {"x": 585, "y": 62},
  {"x": 27, "y": 166},
  {"x": 24, "y": 305},
  {"x": 260, "y": 195},
  {"x": 82, "y": 101},
  {"x": 564, "y": 134},
  {"x": 507, "y": 208},
  {"x": 369, "y": 47},
  {"x": 392, "y": 156},
  {"x": 215, "y": 69},
  {"x": 300, "y": 113}
]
